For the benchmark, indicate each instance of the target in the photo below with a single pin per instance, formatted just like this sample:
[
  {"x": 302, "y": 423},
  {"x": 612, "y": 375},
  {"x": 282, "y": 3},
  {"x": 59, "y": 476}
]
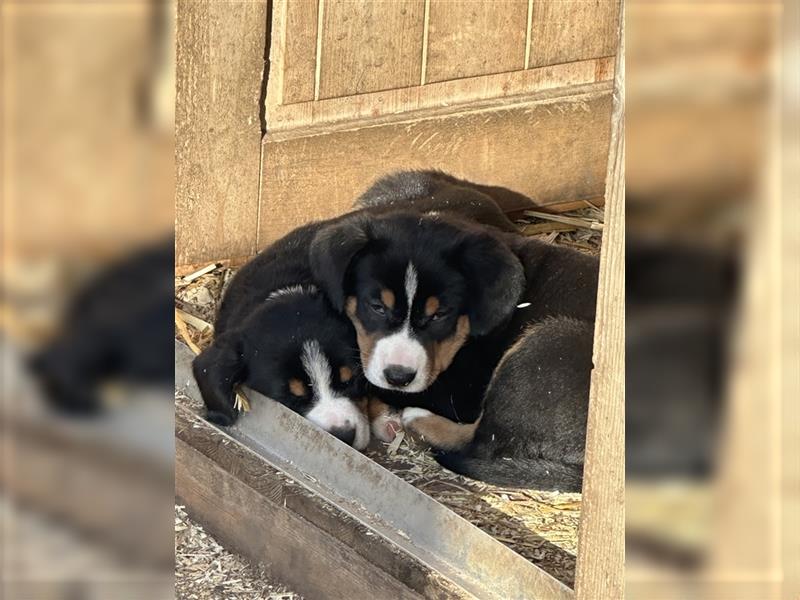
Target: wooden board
[
  {"x": 220, "y": 53},
  {"x": 600, "y": 569},
  {"x": 85, "y": 478},
  {"x": 292, "y": 548},
  {"x": 300, "y": 50},
  {"x": 457, "y": 95},
  {"x": 332, "y": 62},
  {"x": 568, "y": 30},
  {"x": 468, "y": 38},
  {"x": 369, "y": 46},
  {"x": 552, "y": 150}
]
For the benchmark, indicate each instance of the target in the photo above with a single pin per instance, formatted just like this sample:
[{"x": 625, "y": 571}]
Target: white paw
[
  {"x": 412, "y": 413},
  {"x": 386, "y": 426}
]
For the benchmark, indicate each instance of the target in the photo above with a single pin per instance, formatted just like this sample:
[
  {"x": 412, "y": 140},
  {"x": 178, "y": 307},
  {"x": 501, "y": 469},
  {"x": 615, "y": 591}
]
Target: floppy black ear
[
  {"x": 331, "y": 252},
  {"x": 495, "y": 280},
  {"x": 217, "y": 370}
]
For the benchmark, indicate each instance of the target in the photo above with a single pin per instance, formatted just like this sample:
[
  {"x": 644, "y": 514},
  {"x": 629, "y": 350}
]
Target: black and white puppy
[
  {"x": 442, "y": 307},
  {"x": 277, "y": 334}
]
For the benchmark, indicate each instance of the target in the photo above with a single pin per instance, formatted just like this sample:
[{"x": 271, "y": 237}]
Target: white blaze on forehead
[
  {"x": 400, "y": 348},
  {"x": 331, "y": 411},
  {"x": 411, "y": 289},
  {"x": 317, "y": 368}
]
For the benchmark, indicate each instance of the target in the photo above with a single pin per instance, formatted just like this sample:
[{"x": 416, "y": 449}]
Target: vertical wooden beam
[
  {"x": 220, "y": 58},
  {"x": 601, "y": 544}
]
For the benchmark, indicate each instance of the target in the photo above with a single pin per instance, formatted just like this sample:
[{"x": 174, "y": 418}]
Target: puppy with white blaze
[
  {"x": 277, "y": 333},
  {"x": 479, "y": 337}
]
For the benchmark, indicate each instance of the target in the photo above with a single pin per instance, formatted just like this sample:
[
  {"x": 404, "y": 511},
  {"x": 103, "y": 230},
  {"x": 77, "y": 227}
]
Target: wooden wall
[
  {"x": 335, "y": 60},
  {"x": 514, "y": 93}
]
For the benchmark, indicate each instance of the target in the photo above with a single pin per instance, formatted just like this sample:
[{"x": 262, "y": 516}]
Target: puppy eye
[
  {"x": 439, "y": 315},
  {"x": 378, "y": 308}
]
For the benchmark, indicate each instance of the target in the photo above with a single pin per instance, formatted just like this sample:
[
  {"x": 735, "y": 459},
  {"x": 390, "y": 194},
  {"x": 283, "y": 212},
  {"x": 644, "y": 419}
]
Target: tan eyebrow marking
[
  {"x": 297, "y": 387},
  {"x": 345, "y": 374},
  {"x": 431, "y": 306},
  {"x": 387, "y": 296}
]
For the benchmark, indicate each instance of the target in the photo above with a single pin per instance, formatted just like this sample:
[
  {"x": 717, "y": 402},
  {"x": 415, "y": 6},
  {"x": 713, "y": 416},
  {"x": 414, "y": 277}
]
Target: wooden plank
[
  {"x": 220, "y": 58},
  {"x": 600, "y": 568},
  {"x": 300, "y": 50},
  {"x": 369, "y": 46},
  {"x": 566, "y": 79},
  {"x": 568, "y": 30},
  {"x": 314, "y": 563},
  {"x": 561, "y": 156},
  {"x": 468, "y": 38},
  {"x": 91, "y": 482}
]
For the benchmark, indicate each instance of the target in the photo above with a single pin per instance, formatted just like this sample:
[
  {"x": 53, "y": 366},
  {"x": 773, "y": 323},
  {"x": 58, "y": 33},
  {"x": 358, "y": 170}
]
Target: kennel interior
[{"x": 309, "y": 103}]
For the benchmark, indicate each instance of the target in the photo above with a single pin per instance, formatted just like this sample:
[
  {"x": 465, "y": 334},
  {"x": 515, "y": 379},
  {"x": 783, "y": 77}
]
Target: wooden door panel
[
  {"x": 300, "y": 51},
  {"x": 568, "y": 30},
  {"x": 369, "y": 46},
  {"x": 469, "y": 38}
]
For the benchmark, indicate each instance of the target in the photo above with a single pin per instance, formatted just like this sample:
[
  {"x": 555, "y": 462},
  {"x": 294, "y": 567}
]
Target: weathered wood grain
[
  {"x": 600, "y": 569},
  {"x": 220, "y": 54},
  {"x": 457, "y": 94},
  {"x": 369, "y": 46},
  {"x": 568, "y": 30},
  {"x": 299, "y": 50},
  {"x": 552, "y": 150},
  {"x": 468, "y": 38}
]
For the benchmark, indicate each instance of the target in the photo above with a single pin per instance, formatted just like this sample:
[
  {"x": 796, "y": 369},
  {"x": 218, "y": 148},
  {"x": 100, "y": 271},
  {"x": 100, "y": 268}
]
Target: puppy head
[
  {"x": 415, "y": 287},
  {"x": 298, "y": 351}
]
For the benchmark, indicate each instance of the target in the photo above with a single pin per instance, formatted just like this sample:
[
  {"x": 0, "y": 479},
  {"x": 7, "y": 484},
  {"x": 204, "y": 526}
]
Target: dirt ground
[{"x": 204, "y": 570}]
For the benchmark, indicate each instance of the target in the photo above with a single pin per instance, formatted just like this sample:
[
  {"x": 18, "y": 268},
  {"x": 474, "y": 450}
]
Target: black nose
[
  {"x": 399, "y": 376},
  {"x": 346, "y": 434}
]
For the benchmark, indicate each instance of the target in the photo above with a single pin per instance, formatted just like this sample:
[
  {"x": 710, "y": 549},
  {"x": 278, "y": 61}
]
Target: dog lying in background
[
  {"x": 482, "y": 337},
  {"x": 117, "y": 328}
]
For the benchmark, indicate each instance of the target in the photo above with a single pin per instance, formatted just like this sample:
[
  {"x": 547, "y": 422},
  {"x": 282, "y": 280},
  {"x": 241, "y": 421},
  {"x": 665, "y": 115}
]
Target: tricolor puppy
[
  {"x": 445, "y": 310},
  {"x": 277, "y": 334}
]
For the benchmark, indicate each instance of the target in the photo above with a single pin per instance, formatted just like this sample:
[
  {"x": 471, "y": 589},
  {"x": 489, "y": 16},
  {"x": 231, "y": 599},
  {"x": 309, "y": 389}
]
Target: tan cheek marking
[
  {"x": 387, "y": 296},
  {"x": 366, "y": 342},
  {"x": 442, "y": 353},
  {"x": 297, "y": 388},
  {"x": 431, "y": 306},
  {"x": 345, "y": 374},
  {"x": 363, "y": 405}
]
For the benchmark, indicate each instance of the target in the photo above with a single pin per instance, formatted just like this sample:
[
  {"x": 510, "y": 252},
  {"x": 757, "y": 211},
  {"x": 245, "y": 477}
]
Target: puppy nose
[
  {"x": 346, "y": 434},
  {"x": 399, "y": 376}
]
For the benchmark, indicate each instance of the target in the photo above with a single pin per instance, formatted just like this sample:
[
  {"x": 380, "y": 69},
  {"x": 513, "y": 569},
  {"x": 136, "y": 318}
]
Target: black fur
[
  {"x": 534, "y": 423},
  {"x": 483, "y": 204},
  {"x": 259, "y": 338},
  {"x": 535, "y": 402},
  {"x": 118, "y": 327}
]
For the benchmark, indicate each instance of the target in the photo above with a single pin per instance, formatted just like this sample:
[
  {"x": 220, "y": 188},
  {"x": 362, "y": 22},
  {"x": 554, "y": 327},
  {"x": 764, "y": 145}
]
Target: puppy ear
[
  {"x": 217, "y": 370},
  {"x": 495, "y": 280},
  {"x": 332, "y": 251}
]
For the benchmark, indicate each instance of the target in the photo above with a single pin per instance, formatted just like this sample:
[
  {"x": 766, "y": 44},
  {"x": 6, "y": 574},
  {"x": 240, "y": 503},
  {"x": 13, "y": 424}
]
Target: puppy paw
[
  {"x": 386, "y": 426},
  {"x": 412, "y": 413}
]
